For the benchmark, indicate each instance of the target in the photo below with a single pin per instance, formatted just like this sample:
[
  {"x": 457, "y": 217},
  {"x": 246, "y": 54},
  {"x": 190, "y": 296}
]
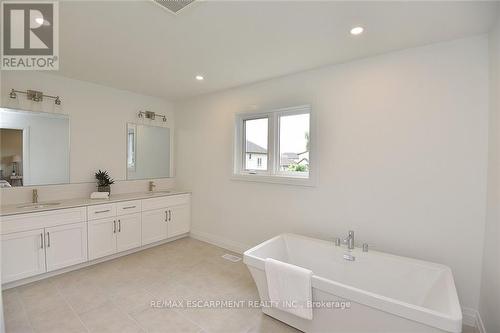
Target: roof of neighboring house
[
  {"x": 254, "y": 148},
  {"x": 289, "y": 158},
  {"x": 290, "y": 155}
]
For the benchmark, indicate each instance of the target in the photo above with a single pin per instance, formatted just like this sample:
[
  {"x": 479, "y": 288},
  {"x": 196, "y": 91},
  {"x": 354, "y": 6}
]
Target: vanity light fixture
[
  {"x": 199, "y": 77},
  {"x": 34, "y": 95},
  {"x": 356, "y": 31},
  {"x": 151, "y": 115}
]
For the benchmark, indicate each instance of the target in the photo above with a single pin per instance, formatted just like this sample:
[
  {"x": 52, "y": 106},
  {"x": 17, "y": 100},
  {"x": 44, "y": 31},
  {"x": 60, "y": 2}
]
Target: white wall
[
  {"x": 98, "y": 122},
  {"x": 402, "y": 143},
  {"x": 490, "y": 287}
]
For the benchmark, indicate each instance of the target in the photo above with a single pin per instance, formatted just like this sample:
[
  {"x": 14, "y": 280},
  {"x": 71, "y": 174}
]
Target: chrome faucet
[
  {"x": 34, "y": 196},
  {"x": 350, "y": 240},
  {"x": 152, "y": 186}
]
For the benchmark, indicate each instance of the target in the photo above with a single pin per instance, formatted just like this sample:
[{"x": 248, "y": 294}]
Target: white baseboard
[
  {"x": 219, "y": 241},
  {"x": 471, "y": 317},
  {"x": 480, "y": 324}
]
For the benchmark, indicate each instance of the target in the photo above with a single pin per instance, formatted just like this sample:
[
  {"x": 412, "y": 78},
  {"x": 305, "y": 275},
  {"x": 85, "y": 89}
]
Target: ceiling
[{"x": 141, "y": 47}]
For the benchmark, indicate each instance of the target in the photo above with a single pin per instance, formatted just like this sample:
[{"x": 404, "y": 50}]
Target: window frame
[{"x": 273, "y": 174}]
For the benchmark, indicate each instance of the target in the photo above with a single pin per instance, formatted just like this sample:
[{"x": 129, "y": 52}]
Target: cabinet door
[
  {"x": 129, "y": 232},
  {"x": 23, "y": 255},
  {"x": 154, "y": 225},
  {"x": 179, "y": 220},
  {"x": 65, "y": 245},
  {"x": 102, "y": 237}
]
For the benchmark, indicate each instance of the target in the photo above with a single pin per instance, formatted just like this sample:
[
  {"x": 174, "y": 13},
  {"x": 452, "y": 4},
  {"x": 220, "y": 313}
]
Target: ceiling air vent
[{"x": 174, "y": 6}]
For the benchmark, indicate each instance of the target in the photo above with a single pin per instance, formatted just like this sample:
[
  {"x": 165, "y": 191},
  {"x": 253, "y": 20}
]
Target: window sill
[{"x": 283, "y": 180}]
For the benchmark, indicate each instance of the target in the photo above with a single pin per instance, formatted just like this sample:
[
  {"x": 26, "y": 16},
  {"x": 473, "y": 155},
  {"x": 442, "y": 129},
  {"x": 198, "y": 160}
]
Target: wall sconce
[
  {"x": 151, "y": 115},
  {"x": 34, "y": 95}
]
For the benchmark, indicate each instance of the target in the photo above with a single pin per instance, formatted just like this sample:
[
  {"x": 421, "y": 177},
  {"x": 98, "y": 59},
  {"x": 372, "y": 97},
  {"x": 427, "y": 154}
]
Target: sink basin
[
  {"x": 40, "y": 205},
  {"x": 157, "y": 192}
]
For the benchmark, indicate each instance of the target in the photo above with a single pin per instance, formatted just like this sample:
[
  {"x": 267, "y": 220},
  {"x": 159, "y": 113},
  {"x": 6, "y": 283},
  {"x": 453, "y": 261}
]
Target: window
[
  {"x": 256, "y": 137},
  {"x": 294, "y": 143},
  {"x": 274, "y": 146}
]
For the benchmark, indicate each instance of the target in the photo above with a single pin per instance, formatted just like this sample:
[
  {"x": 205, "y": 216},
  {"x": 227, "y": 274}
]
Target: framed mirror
[
  {"x": 148, "y": 151},
  {"x": 34, "y": 148}
]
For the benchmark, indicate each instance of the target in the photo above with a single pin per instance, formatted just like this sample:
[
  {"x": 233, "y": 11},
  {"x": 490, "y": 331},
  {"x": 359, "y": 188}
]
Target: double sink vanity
[
  {"x": 40, "y": 240},
  {"x": 47, "y": 238}
]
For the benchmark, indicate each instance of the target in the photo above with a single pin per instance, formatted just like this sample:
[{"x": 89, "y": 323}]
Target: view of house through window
[
  {"x": 275, "y": 145},
  {"x": 256, "y": 142},
  {"x": 294, "y": 143}
]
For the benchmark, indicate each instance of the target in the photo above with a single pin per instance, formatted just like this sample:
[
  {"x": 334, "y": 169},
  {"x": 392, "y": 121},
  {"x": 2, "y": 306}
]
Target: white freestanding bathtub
[{"x": 379, "y": 292}]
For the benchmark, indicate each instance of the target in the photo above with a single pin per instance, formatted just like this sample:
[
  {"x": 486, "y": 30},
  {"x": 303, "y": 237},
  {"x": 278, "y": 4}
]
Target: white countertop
[{"x": 81, "y": 202}]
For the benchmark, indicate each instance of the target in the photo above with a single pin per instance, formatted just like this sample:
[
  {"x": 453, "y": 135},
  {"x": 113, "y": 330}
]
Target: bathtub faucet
[{"x": 350, "y": 240}]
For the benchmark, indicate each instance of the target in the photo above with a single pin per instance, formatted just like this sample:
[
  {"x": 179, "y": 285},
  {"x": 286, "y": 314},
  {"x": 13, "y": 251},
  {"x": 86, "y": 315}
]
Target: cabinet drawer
[
  {"x": 128, "y": 207},
  {"x": 31, "y": 221},
  {"x": 162, "y": 202},
  {"x": 101, "y": 211}
]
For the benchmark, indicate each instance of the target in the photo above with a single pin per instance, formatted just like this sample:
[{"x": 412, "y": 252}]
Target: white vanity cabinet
[
  {"x": 154, "y": 225},
  {"x": 128, "y": 232},
  {"x": 23, "y": 255},
  {"x": 65, "y": 245},
  {"x": 114, "y": 228},
  {"x": 165, "y": 217},
  {"x": 102, "y": 237},
  {"x": 37, "y": 243},
  {"x": 41, "y": 242},
  {"x": 179, "y": 220}
]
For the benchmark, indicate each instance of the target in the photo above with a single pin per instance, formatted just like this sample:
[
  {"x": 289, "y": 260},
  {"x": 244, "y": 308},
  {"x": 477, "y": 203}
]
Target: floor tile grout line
[
  {"x": 130, "y": 317},
  {"x": 113, "y": 304},
  {"x": 191, "y": 321},
  {"x": 70, "y": 306},
  {"x": 25, "y": 311},
  {"x": 179, "y": 313}
]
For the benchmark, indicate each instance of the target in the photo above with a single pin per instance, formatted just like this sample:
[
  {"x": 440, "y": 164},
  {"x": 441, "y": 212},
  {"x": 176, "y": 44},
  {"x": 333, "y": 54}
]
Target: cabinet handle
[
  {"x": 114, "y": 227},
  {"x": 102, "y": 211},
  {"x": 129, "y": 207},
  {"x": 119, "y": 226},
  {"x": 41, "y": 240},
  {"x": 169, "y": 215},
  {"x": 48, "y": 239},
  {"x": 166, "y": 216}
]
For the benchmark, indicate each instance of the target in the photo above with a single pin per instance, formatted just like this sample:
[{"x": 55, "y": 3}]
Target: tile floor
[{"x": 116, "y": 296}]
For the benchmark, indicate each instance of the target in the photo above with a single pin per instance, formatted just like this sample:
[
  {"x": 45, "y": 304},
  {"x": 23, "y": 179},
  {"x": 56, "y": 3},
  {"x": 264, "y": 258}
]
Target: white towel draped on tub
[{"x": 289, "y": 287}]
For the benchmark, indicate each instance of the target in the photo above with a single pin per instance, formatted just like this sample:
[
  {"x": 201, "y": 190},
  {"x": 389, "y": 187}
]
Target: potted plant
[{"x": 104, "y": 181}]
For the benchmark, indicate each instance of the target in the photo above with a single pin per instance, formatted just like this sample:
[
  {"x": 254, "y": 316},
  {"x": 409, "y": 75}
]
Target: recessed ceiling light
[
  {"x": 357, "y": 31},
  {"x": 199, "y": 77}
]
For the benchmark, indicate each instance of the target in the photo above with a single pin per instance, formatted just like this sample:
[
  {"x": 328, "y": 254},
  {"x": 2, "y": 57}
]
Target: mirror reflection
[
  {"x": 34, "y": 148},
  {"x": 148, "y": 151}
]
